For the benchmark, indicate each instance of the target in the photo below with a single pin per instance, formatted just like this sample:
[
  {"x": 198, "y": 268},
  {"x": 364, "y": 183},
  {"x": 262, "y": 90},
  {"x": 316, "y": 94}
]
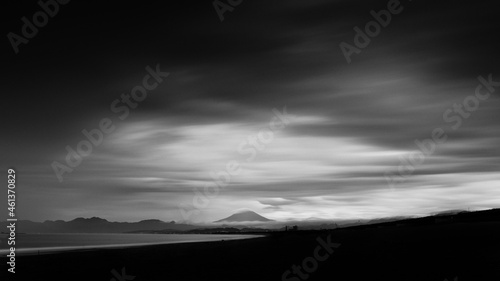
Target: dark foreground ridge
[{"x": 436, "y": 250}]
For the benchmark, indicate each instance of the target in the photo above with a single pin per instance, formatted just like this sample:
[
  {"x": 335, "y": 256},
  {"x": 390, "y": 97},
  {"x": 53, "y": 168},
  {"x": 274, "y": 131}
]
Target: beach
[
  {"x": 50, "y": 243},
  {"x": 468, "y": 251}
]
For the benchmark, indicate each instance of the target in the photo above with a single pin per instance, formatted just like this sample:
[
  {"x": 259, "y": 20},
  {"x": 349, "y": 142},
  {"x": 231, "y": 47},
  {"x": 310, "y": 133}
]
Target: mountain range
[
  {"x": 96, "y": 225},
  {"x": 246, "y": 221}
]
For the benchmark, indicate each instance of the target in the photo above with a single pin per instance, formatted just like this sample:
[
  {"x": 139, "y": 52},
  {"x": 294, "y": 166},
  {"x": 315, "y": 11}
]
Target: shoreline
[
  {"x": 35, "y": 251},
  {"x": 436, "y": 252}
]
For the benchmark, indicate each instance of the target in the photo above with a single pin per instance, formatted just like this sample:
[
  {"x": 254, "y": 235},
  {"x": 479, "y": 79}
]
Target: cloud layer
[{"x": 352, "y": 121}]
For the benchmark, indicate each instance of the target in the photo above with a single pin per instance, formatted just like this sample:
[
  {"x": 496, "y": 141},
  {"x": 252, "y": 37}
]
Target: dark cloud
[{"x": 354, "y": 120}]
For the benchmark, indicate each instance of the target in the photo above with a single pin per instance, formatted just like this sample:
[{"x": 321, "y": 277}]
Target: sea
[{"x": 33, "y": 244}]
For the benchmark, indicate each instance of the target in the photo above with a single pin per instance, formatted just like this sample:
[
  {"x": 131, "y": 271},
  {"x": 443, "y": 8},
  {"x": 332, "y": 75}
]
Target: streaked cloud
[{"x": 352, "y": 121}]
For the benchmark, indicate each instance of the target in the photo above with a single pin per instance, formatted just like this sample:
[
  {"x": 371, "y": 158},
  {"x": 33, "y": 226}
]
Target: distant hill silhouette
[
  {"x": 96, "y": 225},
  {"x": 245, "y": 216}
]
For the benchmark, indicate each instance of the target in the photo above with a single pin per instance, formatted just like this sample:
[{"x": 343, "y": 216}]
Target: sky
[{"x": 266, "y": 94}]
